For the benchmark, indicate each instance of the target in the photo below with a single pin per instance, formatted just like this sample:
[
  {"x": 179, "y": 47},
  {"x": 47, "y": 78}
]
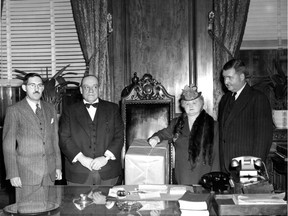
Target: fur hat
[{"x": 190, "y": 93}]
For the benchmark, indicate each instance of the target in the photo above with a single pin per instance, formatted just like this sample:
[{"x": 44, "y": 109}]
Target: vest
[{"x": 93, "y": 136}]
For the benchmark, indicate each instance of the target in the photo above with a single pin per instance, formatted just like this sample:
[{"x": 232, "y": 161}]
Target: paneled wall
[
  {"x": 158, "y": 35},
  {"x": 166, "y": 38}
]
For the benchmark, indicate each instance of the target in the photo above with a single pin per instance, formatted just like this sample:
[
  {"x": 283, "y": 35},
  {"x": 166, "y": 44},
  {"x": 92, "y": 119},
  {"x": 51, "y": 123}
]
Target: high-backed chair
[{"x": 146, "y": 107}]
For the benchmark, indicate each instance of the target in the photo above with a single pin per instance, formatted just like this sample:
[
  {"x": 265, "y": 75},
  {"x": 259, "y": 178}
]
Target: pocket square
[{"x": 52, "y": 120}]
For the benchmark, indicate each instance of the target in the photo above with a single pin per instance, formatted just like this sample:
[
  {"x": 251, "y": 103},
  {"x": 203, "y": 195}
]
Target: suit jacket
[
  {"x": 35, "y": 154},
  {"x": 75, "y": 137},
  {"x": 248, "y": 128}
]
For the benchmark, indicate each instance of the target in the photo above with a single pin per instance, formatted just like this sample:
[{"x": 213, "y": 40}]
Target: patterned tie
[
  {"x": 94, "y": 105},
  {"x": 38, "y": 111},
  {"x": 41, "y": 118}
]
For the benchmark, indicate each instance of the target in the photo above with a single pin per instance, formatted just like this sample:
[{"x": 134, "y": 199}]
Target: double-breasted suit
[
  {"x": 37, "y": 152},
  {"x": 247, "y": 129},
  {"x": 75, "y": 136}
]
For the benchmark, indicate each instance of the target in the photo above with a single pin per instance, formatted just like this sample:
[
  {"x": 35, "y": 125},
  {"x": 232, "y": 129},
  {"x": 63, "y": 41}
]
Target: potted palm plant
[
  {"x": 279, "y": 102},
  {"x": 55, "y": 87},
  {"x": 275, "y": 87}
]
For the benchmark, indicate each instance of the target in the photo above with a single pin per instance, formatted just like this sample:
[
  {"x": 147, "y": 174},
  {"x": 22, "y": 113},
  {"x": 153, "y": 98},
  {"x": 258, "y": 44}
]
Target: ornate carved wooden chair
[{"x": 146, "y": 107}]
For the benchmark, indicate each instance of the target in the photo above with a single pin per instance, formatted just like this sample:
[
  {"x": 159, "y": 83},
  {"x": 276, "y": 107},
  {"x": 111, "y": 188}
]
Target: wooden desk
[
  {"x": 63, "y": 196},
  {"x": 224, "y": 205}
]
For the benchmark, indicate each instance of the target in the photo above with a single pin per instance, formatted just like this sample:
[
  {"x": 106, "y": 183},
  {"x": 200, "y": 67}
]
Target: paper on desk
[
  {"x": 153, "y": 188},
  {"x": 267, "y": 199},
  {"x": 178, "y": 190},
  {"x": 185, "y": 212},
  {"x": 152, "y": 205},
  {"x": 152, "y": 191},
  {"x": 113, "y": 191},
  {"x": 149, "y": 195}
]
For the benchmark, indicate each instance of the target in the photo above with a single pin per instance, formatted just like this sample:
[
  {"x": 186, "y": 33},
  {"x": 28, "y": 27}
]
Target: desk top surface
[
  {"x": 98, "y": 200},
  {"x": 95, "y": 200},
  {"x": 250, "y": 204}
]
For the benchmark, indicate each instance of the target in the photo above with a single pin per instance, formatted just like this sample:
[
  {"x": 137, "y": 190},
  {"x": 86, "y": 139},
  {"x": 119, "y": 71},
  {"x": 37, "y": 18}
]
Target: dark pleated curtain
[
  {"x": 2, "y": 3},
  {"x": 90, "y": 18},
  {"x": 229, "y": 26}
]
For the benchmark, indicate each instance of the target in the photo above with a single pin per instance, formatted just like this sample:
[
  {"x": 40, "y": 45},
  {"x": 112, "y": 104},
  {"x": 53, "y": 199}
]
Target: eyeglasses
[
  {"x": 33, "y": 85},
  {"x": 88, "y": 88}
]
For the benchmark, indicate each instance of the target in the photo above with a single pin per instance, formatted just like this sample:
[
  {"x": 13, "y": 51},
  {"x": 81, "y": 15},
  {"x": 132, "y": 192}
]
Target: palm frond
[
  {"x": 60, "y": 72},
  {"x": 20, "y": 71},
  {"x": 55, "y": 87}
]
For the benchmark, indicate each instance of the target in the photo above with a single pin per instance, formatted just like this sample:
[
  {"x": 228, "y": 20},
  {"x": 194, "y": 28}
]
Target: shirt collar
[
  {"x": 96, "y": 101},
  {"x": 33, "y": 104},
  {"x": 239, "y": 91}
]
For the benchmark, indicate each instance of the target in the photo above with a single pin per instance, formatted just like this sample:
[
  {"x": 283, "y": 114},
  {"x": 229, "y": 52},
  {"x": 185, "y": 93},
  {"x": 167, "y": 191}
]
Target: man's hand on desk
[
  {"x": 99, "y": 162},
  {"x": 16, "y": 182},
  {"x": 97, "y": 197}
]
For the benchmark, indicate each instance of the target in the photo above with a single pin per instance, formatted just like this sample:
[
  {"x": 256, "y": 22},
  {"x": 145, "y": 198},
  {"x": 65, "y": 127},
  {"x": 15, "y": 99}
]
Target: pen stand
[{"x": 82, "y": 202}]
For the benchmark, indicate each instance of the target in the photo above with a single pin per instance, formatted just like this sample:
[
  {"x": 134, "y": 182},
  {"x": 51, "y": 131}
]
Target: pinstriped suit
[
  {"x": 248, "y": 128},
  {"x": 36, "y": 154}
]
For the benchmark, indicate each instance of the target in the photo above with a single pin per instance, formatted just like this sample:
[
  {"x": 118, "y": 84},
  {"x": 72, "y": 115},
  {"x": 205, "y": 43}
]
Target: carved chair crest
[{"x": 147, "y": 88}]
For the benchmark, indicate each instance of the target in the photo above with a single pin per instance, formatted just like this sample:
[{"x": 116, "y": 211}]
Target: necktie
[
  {"x": 40, "y": 117},
  {"x": 232, "y": 99},
  {"x": 38, "y": 111},
  {"x": 234, "y": 95},
  {"x": 94, "y": 105},
  {"x": 230, "y": 104}
]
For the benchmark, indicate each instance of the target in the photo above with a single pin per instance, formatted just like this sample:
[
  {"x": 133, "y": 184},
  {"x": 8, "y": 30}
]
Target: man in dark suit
[
  {"x": 91, "y": 138},
  {"x": 245, "y": 119},
  {"x": 30, "y": 138}
]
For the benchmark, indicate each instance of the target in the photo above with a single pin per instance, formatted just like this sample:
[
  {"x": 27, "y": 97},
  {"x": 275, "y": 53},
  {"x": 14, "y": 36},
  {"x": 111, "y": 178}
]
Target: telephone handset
[
  {"x": 246, "y": 162},
  {"x": 248, "y": 168}
]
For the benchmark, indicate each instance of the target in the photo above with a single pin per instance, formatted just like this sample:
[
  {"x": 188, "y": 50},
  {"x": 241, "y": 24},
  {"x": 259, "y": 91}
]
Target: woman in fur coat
[{"x": 194, "y": 137}]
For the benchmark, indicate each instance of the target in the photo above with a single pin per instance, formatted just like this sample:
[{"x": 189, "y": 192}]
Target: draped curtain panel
[
  {"x": 2, "y": 2},
  {"x": 229, "y": 26},
  {"x": 90, "y": 18}
]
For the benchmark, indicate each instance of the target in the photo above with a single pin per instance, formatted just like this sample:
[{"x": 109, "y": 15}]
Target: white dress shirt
[{"x": 32, "y": 104}]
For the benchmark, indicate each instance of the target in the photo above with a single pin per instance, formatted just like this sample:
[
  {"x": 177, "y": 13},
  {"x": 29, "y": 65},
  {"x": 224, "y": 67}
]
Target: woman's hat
[{"x": 190, "y": 93}]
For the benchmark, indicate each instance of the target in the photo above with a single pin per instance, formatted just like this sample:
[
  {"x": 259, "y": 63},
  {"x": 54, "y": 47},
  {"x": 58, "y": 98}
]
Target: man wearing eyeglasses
[
  {"x": 91, "y": 138},
  {"x": 30, "y": 139}
]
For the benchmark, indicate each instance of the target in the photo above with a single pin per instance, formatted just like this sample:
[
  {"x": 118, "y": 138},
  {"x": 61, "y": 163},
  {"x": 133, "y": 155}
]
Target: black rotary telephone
[{"x": 215, "y": 181}]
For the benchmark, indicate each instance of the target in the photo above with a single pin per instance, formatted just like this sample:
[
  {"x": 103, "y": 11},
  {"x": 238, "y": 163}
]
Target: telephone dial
[{"x": 215, "y": 181}]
